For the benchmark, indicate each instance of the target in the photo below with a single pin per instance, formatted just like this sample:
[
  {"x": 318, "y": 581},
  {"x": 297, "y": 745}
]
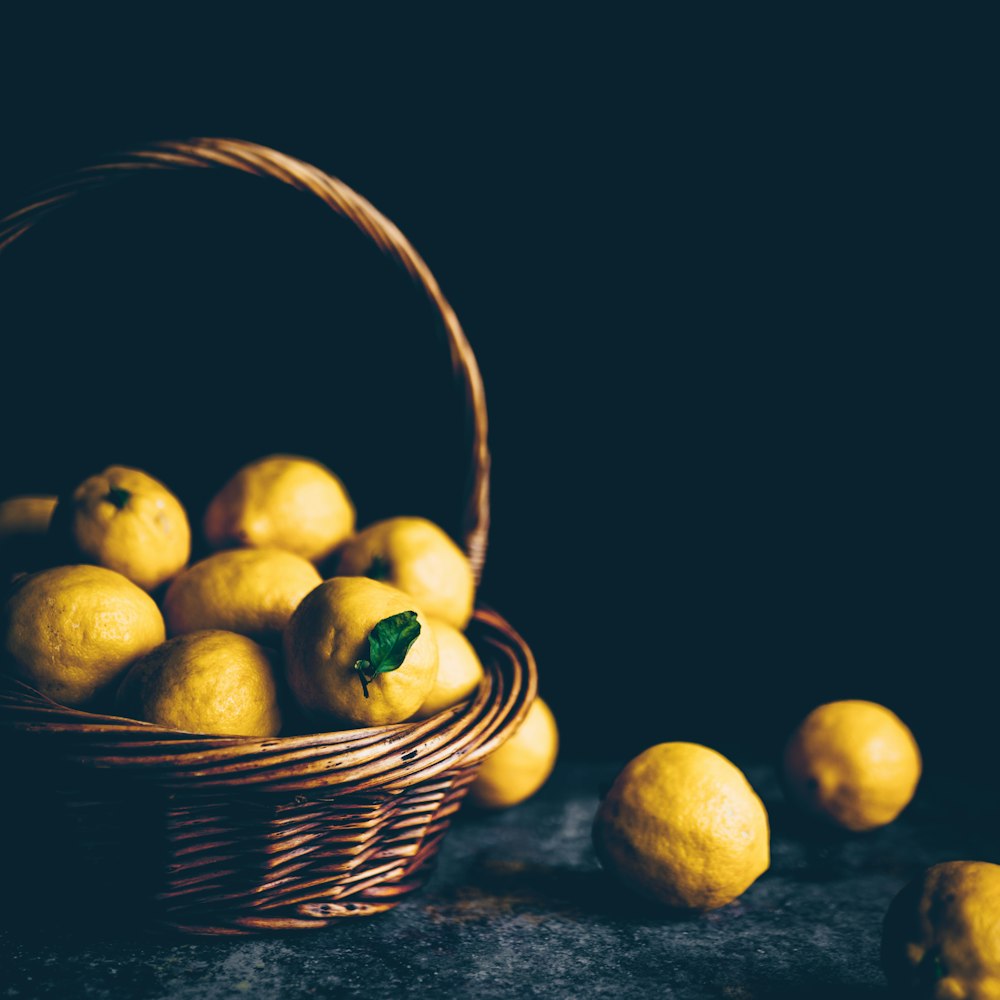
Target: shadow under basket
[
  {"x": 113, "y": 820},
  {"x": 231, "y": 835}
]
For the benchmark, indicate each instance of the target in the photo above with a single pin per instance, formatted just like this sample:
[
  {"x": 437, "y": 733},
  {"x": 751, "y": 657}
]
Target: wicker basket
[{"x": 235, "y": 835}]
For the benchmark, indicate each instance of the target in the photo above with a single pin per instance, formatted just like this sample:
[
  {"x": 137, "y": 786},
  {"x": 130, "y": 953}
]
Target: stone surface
[{"x": 520, "y": 908}]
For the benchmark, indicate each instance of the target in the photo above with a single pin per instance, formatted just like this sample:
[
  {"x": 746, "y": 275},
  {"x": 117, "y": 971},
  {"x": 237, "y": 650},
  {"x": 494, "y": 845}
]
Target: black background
[{"x": 723, "y": 281}]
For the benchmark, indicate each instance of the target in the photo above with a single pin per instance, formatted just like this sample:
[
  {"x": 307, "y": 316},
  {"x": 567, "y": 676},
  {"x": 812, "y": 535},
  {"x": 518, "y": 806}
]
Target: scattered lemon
[
  {"x": 283, "y": 502},
  {"x": 126, "y": 520},
  {"x": 360, "y": 652},
  {"x": 25, "y": 516},
  {"x": 459, "y": 670},
  {"x": 941, "y": 936},
  {"x": 71, "y": 631},
  {"x": 520, "y": 766},
  {"x": 853, "y": 762},
  {"x": 212, "y": 682},
  {"x": 250, "y": 591},
  {"x": 416, "y": 556},
  {"x": 682, "y": 825}
]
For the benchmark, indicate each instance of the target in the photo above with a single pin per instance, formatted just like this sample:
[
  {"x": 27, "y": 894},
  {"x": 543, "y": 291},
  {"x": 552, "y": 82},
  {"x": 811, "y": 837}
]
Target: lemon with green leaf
[{"x": 359, "y": 652}]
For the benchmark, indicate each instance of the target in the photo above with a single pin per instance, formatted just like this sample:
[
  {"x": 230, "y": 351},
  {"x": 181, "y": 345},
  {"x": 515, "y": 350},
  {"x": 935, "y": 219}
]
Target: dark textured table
[{"x": 520, "y": 908}]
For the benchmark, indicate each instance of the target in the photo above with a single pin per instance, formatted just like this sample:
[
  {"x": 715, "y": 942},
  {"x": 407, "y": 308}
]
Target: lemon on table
[
  {"x": 359, "y": 652},
  {"x": 516, "y": 770},
  {"x": 250, "y": 591},
  {"x": 416, "y": 556},
  {"x": 459, "y": 670},
  {"x": 682, "y": 825},
  {"x": 854, "y": 763},
  {"x": 125, "y": 520},
  {"x": 284, "y": 502},
  {"x": 941, "y": 935},
  {"x": 213, "y": 682},
  {"x": 71, "y": 631}
]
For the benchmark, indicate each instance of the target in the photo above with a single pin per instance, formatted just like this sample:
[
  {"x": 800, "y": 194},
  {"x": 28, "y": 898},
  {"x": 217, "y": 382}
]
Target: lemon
[
  {"x": 71, "y": 631},
  {"x": 126, "y": 520},
  {"x": 682, "y": 825},
  {"x": 24, "y": 522},
  {"x": 250, "y": 591},
  {"x": 854, "y": 763},
  {"x": 359, "y": 652},
  {"x": 213, "y": 682},
  {"x": 416, "y": 556},
  {"x": 941, "y": 935},
  {"x": 25, "y": 516},
  {"x": 284, "y": 502},
  {"x": 520, "y": 766},
  {"x": 459, "y": 670}
]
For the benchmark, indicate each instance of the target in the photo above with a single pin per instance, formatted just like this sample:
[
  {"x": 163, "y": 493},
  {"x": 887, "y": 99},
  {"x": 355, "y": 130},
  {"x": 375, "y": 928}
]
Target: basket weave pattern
[{"x": 242, "y": 834}]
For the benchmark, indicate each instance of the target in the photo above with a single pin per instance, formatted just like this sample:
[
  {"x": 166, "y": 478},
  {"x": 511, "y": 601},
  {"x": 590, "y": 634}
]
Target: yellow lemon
[
  {"x": 520, "y": 766},
  {"x": 941, "y": 936},
  {"x": 71, "y": 631},
  {"x": 24, "y": 522},
  {"x": 126, "y": 520},
  {"x": 416, "y": 556},
  {"x": 284, "y": 502},
  {"x": 213, "y": 682},
  {"x": 854, "y": 763},
  {"x": 682, "y": 825},
  {"x": 459, "y": 670},
  {"x": 360, "y": 652},
  {"x": 26, "y": 516},
  {"x": 250, "y": 591}
]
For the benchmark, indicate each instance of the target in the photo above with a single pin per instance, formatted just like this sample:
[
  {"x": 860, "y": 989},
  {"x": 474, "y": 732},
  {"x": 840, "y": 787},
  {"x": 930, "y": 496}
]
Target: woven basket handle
[{"x": 265, "y": 162}]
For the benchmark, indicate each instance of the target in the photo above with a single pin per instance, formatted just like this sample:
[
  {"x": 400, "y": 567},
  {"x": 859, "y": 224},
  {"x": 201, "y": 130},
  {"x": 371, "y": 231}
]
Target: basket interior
[{"x": 188, "y": 322}]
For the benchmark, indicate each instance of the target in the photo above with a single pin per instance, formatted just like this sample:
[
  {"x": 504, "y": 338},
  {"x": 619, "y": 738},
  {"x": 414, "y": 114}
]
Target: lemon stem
[
  {"x": 118, "y": 497},
  {"x": 388, "y": 643},
  {"x": 361, "y": 666}
]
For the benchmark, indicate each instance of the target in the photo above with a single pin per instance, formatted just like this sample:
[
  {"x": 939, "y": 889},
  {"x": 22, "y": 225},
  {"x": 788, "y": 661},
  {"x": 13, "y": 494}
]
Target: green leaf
[
  {"x": 118, "y": 496},
  {"x": 379, "y": 569},
  {"x": 388, "y": 643}
]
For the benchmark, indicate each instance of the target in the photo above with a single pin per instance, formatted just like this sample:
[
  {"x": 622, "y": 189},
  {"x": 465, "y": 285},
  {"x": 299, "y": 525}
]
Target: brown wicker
[{"x": 236, "y": 835}]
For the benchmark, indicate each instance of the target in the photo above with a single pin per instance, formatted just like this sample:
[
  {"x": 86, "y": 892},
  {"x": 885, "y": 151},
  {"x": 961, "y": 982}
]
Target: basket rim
[{"x": 387, "y": 757}]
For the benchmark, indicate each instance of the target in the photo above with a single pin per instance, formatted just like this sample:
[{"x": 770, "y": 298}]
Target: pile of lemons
[
  {"x": 253, "y": 640},
  {"x": 262, "y": 642}
]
